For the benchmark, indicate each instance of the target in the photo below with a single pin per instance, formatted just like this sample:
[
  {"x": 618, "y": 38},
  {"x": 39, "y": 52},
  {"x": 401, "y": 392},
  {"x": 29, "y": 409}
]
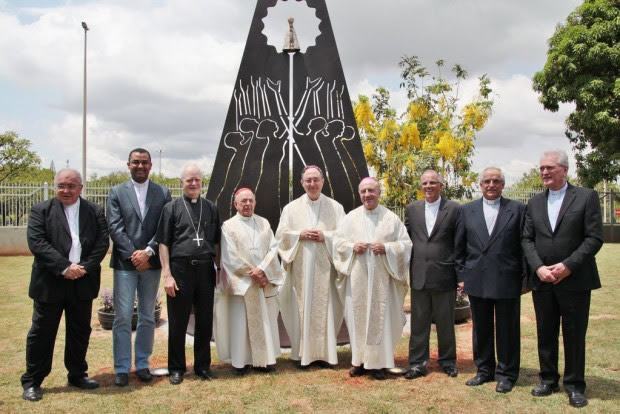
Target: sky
[{"x": 161, "y": 72}]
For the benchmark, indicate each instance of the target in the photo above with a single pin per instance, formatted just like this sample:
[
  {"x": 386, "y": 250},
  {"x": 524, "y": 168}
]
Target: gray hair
[
  {"x": 312, "y": 167},
  {"x": 439, "y": 177},
  {"x": 67, "y": 170},
  {"x": 190, "y": 166},
  {"x": 559, "y": 155},
  {"x": 497, "y": 169}
]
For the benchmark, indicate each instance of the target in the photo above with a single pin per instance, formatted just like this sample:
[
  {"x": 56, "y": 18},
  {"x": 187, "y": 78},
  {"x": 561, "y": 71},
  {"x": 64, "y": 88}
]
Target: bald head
[
  {"x": 370, "y": 191},
  {"x": 371, "y": 181},
  {"x": 68, "y": 183},
  {"x": 245, "y": 202},
  {"x": 191, "y": 180}
]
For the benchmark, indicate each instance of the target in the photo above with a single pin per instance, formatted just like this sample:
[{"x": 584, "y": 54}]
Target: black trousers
[
  {"x": 497, "y": 321},
  {"x": 426, "y": 306},
  {"x": 42, "y": 336},
  {"x": 571, "y": 310},
  {"x": 196, "y": 283}
]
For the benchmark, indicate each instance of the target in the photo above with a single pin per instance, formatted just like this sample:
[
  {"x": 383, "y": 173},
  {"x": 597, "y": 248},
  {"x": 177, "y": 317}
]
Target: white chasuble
[
  {"x": 246, "y": 315},
  {"x": 376, "y": 285},
  {"x": 310, "y": 300}
]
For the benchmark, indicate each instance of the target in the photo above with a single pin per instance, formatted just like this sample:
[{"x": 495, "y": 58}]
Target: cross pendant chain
[{"x": 197, "y": 239}]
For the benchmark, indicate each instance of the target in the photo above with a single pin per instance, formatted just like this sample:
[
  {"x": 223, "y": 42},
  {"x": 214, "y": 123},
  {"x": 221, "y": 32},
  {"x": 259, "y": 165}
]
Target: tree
[
  {"x": 583, "y": 67},
  {"x": 15, "y": 155},
  {"x": 435, "y": 132},
  {"x": 529, "y": 181}
]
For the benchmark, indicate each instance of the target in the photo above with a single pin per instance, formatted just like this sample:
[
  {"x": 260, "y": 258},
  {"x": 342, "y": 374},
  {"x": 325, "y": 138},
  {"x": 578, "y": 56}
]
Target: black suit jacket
[
  {"x": 432, "y": 256},
  {"x": 577, "y": 237},
  {"x": 491, "y": 265},
  {"x": 128, "y": 229},
  {"x": 49, "y": 240}
]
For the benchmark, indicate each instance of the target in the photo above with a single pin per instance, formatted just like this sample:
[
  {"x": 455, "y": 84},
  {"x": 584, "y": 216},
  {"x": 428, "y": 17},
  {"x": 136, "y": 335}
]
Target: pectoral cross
[{"x": 197, "y": 239}]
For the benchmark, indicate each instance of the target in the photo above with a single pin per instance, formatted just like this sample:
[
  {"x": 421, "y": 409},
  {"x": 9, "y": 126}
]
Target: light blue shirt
[
  {"x": 490, "y": 208},
  {"x": 554, "y": 203},
  {"x": 430, "y": 214}
]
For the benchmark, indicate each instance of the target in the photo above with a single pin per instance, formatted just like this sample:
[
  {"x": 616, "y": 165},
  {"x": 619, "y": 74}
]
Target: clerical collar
[
  {"x": 491, "y": 202},
  {"x": 434, "y": 203},
  {"x": 191, "y": 200},
  {"x": 140, "y": 185},
  {"x": 559, "y": 192},
  {"x": 244, "y": 218}
]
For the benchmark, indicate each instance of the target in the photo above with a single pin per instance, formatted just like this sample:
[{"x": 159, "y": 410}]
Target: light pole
[
  {"x": 160, "y": 151},
  {"x": 85, "y": 27}
]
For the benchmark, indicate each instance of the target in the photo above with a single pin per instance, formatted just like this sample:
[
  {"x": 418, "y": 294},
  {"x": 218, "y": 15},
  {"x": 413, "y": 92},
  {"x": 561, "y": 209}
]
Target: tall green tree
[
  {"x": 583, "y": 68},
  {"x": 437, "y": 131},
  {"x": 15, "y": 156}
]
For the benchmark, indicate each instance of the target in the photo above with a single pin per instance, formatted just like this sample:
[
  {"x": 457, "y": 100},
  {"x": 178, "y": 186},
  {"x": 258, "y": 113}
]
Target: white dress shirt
[
  {"x": 72, "y": 213},
  {"x": 430, "y": 214},
  {"x": 554, "y": 203},
  {"x": 490, "y": 209},
  {"x": 141, "y": 189}
]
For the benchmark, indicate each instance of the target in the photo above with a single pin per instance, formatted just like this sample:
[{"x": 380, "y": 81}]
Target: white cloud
[{"x": 161, "y": 73}]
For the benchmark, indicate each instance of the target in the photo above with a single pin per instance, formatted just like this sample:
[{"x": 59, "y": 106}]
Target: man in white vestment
[
  {"x": 311, "y": 307},
  {"x": 246, "y": 327},
  {"x": 372, "y": 252}
]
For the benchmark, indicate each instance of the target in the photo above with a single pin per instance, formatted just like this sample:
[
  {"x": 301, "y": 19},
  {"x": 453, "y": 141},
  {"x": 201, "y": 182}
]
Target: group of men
[{"x": 320, "y": 267}]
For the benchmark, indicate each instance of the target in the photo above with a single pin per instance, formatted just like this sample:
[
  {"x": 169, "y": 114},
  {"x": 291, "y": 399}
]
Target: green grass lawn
[{"x": 291, "y": 390}]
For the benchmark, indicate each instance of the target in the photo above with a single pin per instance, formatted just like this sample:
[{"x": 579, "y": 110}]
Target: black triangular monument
[{"x": 253, "y": 150}]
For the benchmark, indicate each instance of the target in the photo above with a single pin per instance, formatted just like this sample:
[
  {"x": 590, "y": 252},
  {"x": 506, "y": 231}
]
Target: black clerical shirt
[{"x": 177, "y": 229}]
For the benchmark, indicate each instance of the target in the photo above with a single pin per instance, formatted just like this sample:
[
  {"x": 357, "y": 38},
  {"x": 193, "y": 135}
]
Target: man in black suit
[
  {"x": 133, "y": 212},
  {"x": 562, "y": 233},
  {"x": 68, "y": 237},
  {"x": 490, "y": 264},
  {"x": 431, "y": 224}
]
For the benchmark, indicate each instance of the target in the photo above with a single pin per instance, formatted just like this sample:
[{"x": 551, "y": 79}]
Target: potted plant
[
  {"x": 106, "y": 312},
  {"x": 462, "y": 310}
]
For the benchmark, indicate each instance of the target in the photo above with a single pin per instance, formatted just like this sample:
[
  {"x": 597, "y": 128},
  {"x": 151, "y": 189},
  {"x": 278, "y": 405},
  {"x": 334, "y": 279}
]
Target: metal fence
[{"x": 16, "y": 200}]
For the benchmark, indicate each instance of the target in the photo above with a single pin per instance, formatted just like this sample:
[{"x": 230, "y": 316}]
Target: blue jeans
[{"x": 126, "y": 283}]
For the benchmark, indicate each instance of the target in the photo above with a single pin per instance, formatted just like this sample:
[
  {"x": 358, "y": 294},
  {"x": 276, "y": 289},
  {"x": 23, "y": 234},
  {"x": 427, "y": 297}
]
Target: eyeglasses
[
  {"x": 140, "y": 162},
  {"x": 70, "y": 187}
]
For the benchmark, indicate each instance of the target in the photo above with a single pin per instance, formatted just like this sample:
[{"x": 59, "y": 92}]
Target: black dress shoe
[
  {"x": 504, "y": 386},
  {"x": 451, "y": 371},
  {"x": 357, "y": 371},
  {"x": 205, "y": 374},
  {"x": 267, "y": 369},
  {"x": 144, "y": 375},
  {"x": 577, "y": 399},
  {"x": 479, "y": 379},
  {"x": 415, "y": 372},
  {"x": 175, "y": 377},
  {"x": 32, "y": 394},
  {"x": 121, "y": 380},
  {"x": 542, "y": 389},
  {"x": 324, "y": 364},
  {"x": 242, "y": 371},
  {"x": 378, "y": 374},
  {"x": 84, "y": 383}
]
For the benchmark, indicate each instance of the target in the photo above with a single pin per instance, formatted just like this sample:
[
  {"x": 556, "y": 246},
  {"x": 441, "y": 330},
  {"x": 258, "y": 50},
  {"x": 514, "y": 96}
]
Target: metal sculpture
[{"x": 288, "y": 109}]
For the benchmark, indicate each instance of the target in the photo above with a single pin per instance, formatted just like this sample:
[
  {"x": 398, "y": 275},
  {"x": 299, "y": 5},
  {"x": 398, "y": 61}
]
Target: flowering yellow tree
[{"x": 436, "y": 131}]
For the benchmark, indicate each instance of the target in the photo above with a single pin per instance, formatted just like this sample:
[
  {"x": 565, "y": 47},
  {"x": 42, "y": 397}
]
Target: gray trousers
[{"x": 428, "y": 306}]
